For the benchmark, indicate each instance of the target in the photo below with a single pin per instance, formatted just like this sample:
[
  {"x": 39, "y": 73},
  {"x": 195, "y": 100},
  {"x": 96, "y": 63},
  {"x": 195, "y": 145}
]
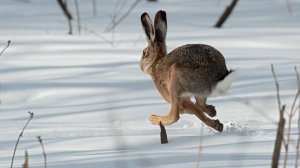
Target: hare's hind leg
[
  {"x": 190, "y": 106},
  {"x": 208, "y": 109}
]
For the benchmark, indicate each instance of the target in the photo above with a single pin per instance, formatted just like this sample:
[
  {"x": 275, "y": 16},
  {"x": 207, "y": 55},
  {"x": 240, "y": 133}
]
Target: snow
[{"x": 91, "y": 102}]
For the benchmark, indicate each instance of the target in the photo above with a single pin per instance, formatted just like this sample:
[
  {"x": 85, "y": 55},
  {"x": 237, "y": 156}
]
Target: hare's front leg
[
  {"x": 168, "y": 119},
  {"x": 174, "y": 90}
]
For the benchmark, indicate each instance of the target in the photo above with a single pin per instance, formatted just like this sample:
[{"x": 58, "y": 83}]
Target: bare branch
[
  {"x": 226, "y": 14},
  {"x": 280, "y": 128},
  {"x": 298, "y": 142},
  {"x": 20, "y": 135},
  {"x": 8, "y": 43},
  {"x": 117, "y": 22},
  {"x": 63, "y": 5},
  {"x": 279, "y": 139}
]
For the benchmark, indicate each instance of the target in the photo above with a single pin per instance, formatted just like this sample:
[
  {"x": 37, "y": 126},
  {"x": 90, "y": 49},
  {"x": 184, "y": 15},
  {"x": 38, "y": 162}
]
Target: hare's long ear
[
  {"x": 160, "y": 24},
  {"x": 148, "y": 27}
]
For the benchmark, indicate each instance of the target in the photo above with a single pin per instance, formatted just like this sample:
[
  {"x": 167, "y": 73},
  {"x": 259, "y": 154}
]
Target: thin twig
[
  {"x": 20, "y": 135},
  {"x": 288, "y": 6},
  {"x": 296, "y": 109},
  {"x": 44, "y": 153},
  {"x": 78, "y": 17},
  {"x": 98, "y": 35},
  {"x": 290, "y": 117},
  {"x": 94, "y": 8},
  {"x": 117, "y": 22},
  {"x": 218, "y": 3},
  {"x": 293, "y": 111},
  {"x": 24, "y": 1},
  {"x": 117, "y": 11},
  {"x": 287, "y": 142},
  {"x": 8, "y": 43},
  {"x": 277, "y": 87}
]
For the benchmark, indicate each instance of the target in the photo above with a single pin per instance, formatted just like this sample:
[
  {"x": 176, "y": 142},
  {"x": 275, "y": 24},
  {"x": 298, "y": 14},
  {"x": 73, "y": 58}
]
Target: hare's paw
[
  {"x": 218, "y": 126},
  {"x": 165, "y": 120},
  {"x": 154, "y": 119},
  {"x": 210, "y": 110},
  {"x": 215, "y": 124}
]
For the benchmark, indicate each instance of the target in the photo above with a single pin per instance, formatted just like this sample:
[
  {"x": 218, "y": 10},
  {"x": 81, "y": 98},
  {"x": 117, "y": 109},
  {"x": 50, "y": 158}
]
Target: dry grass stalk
[
  {"x": 44, "y": 153},
  {"x": 94, "y": 8},
  {"x": 26, "y": 163},
  {"x": 20, "y": 135},
  {"x": 200, "y": 147},
  {"x": 288, "y": 6},
  {"x": 78, "y": 17},
  {"x": 277, "y": 87},
  {"x": 8, "y": 43},
  {"x": 255, "y": 108},
  {"x": 163, "y": 134},
  {"x": 298, "y": 142}
]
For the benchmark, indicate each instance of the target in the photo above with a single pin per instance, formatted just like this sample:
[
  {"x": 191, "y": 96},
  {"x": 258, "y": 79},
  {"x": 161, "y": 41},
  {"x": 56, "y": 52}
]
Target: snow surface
[{"x": 91, "y": 102}]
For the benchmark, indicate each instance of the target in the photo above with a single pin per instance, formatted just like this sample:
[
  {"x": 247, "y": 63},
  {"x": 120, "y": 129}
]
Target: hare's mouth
[{"x": 144, "y": 66}]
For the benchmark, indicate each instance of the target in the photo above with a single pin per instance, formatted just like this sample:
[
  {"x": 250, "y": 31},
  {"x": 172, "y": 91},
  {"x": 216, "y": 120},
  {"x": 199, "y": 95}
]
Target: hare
[{"x": 191, "y": 70}]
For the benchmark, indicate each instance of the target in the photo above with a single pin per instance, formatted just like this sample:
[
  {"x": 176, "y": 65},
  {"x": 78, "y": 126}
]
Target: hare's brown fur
[
  {"x": 199, "y": 68},
  {"x": 189, "y": 70}
]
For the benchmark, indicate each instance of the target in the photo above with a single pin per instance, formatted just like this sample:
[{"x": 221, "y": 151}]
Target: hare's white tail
[{"x": 223, "y": 85}]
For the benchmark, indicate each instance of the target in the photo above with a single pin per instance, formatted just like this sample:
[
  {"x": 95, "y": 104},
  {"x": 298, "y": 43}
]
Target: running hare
[{"x": 190, "y": 70}]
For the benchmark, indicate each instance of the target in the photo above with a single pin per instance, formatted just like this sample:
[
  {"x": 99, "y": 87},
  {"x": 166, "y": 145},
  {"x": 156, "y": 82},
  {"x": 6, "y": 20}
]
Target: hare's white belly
[{"x": 187, "y": 94}]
